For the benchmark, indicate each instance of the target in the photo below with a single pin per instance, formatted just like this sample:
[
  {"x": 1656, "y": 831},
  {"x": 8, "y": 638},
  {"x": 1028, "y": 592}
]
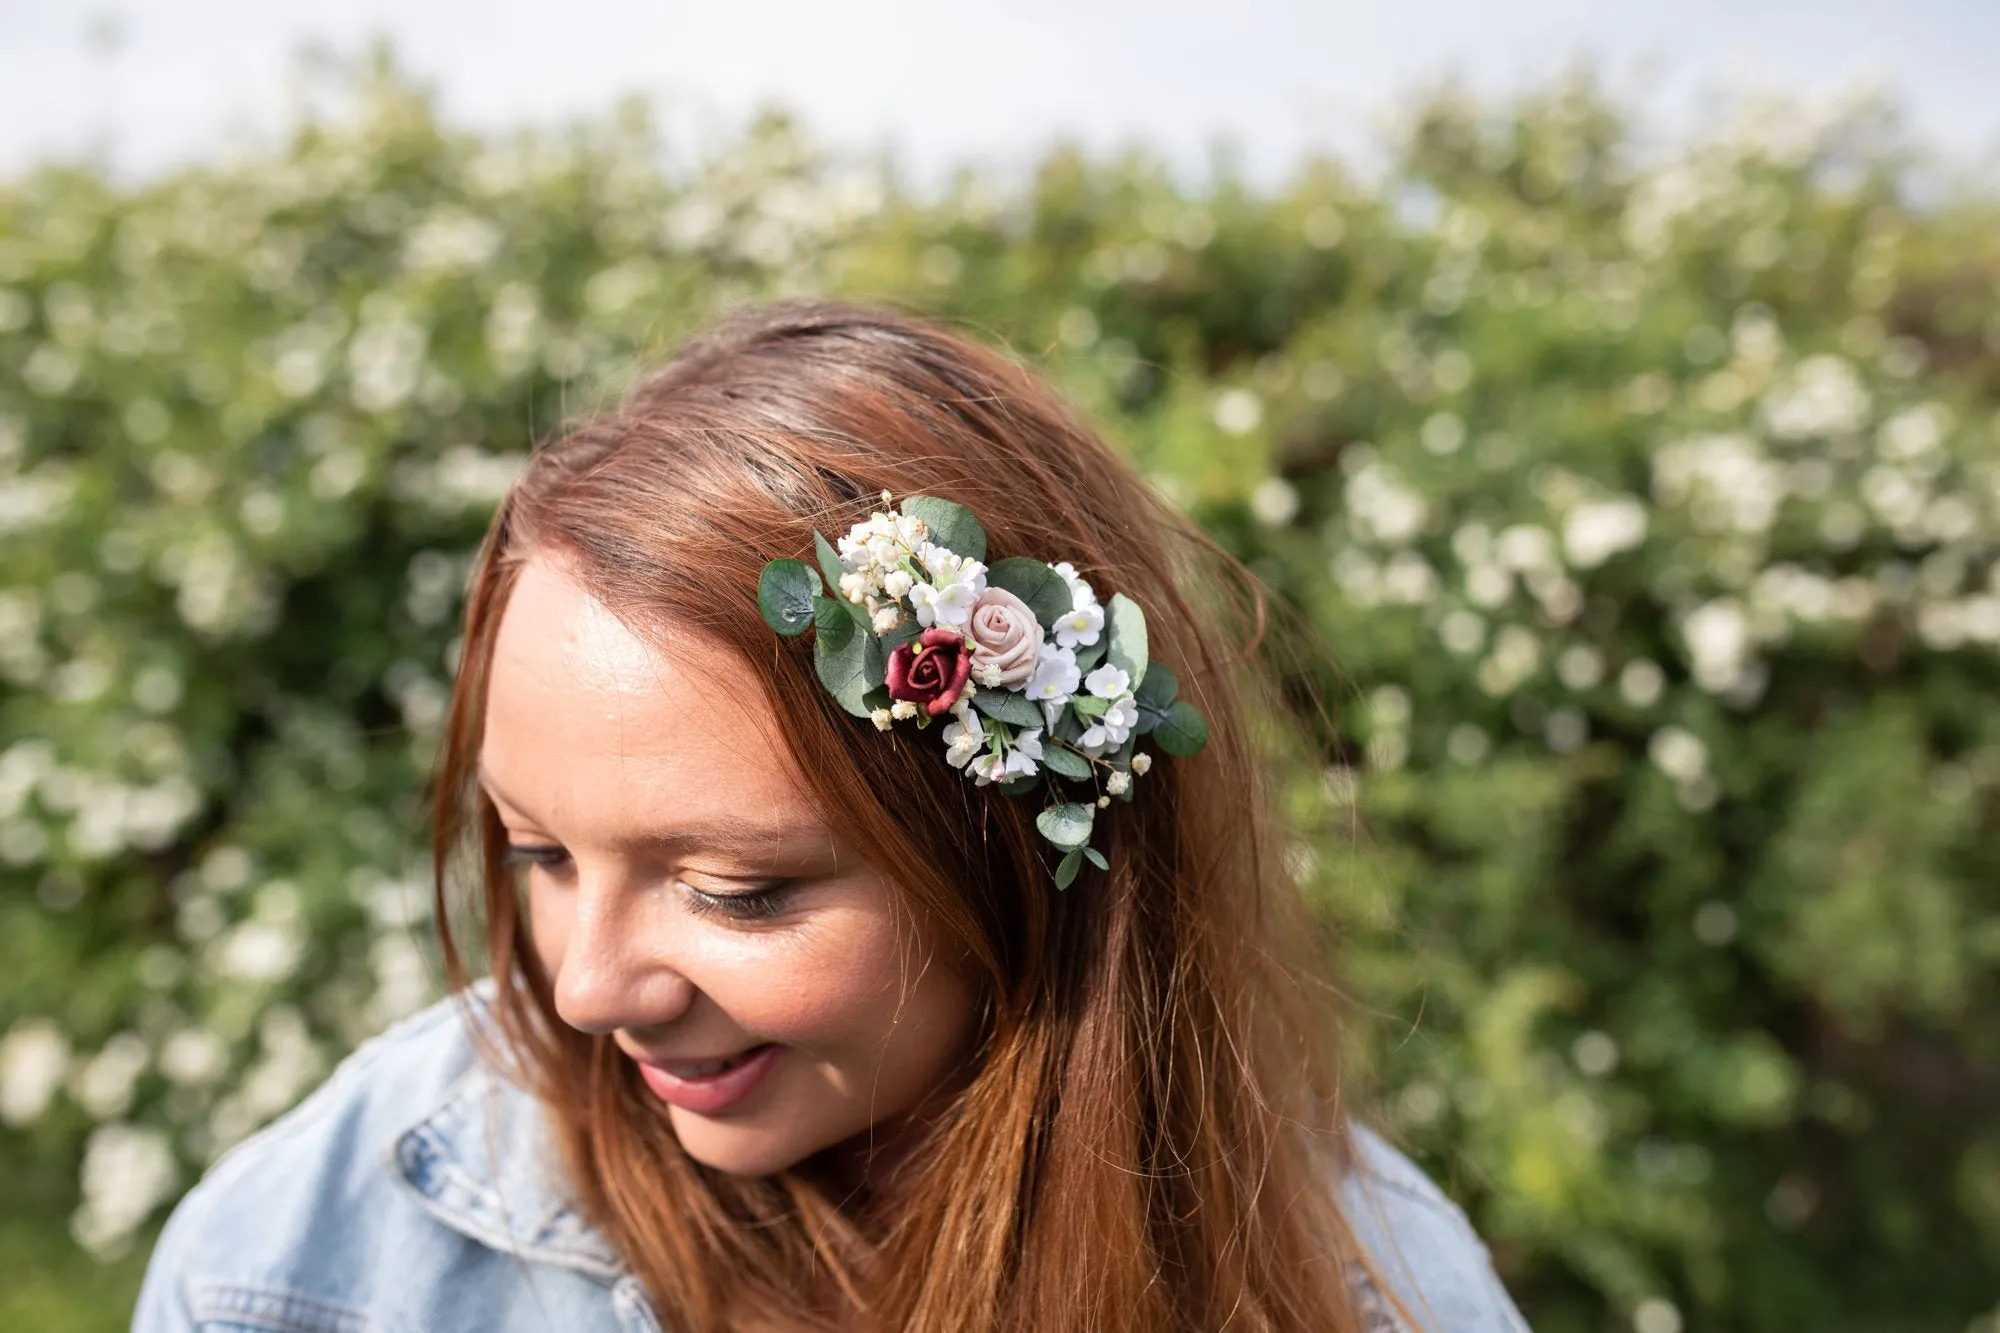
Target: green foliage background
[{"x": 1649, "y": 500}]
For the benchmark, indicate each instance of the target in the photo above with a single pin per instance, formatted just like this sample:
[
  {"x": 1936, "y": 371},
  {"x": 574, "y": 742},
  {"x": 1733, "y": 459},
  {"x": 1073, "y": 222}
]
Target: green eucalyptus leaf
[
  {"x": 1016, "y": 710},
  {"x": 1066, "y": 825},
  {"x": 1159, "y": 688},
  {"x": 1089, "y": 705},
  {"x": 1066, "y": 869},
  {"x": 1019, "y": 786},
  {"x": 1096, "y": 858},
  {"x": 1125, "y": 635},
  {"x": 1064, "y": 762},
  {"x": 874, "y": 661},
  {"x": 785, "y": 592},
  {"x": 1034, "y": 583},
  {"x": 952, "y": 526},
  {"x": 841, "y": 656},
  {"x": 1154, "y": 697},
  {"x": 1089, "y": 655},
  {"x": 1183, "y": 731},
  {"x": 831, "y": 568}
]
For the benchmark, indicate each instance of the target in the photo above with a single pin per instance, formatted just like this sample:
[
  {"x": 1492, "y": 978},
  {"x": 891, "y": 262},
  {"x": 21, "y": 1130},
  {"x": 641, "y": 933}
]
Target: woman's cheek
[{"x": 829, "y": 985}]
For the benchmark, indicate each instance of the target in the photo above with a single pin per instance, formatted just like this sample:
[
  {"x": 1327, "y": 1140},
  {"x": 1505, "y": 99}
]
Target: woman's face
[{"x": 688, "y": 900}]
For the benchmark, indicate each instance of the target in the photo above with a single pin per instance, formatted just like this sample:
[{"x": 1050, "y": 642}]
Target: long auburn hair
[{"x": 1149, "y": 1136}]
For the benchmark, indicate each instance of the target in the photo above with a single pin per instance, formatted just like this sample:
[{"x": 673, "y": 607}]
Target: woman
[{"x": 791, "y": 1025}]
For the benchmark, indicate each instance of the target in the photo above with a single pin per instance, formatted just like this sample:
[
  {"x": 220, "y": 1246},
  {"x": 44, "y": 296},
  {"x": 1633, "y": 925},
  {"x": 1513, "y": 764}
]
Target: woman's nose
[{"x": 616, "y": 969}]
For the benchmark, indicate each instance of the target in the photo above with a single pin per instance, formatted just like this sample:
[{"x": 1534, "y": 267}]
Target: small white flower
[
  {"x": 963, "y": 738},
  {"x": 1081, "y": 626},
  {"x": 1107, "y": 682},
  {"x": 886, "y": 618},
  {"x": 1103, "y": 801},
  {"x": 897, "y": 583},
  {"x": 1055, "y": 678},
  {"x": 881, "y": 718},
  {"x": 1118, "y": 783},
  {"x": 955, "y": 586},
  {"x": 1122, "y": 716},
  {"x": 1029, "y": 743},
  {"x": 1140, "y": 763},
  {"x": 989, "y": 768},
  {"x": 912, "y": 532},
  {"x": 886, "y": 497},
  {"x": 853, "y": 586},
  {"x": 902, "y": 710},
  {"x": 1020, "y": 765},
  {"x": 950, "y": 605},
  {"x": 987, "y": 674},
  {"x": 884, "y": 551},
  {"x": 1110, "y": 730},
  {"x": 1080, "y": 594}
]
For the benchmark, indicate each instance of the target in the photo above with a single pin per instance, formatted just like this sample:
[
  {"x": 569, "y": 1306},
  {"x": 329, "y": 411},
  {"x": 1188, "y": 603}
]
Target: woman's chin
[{"x": 739, "y": 1149}]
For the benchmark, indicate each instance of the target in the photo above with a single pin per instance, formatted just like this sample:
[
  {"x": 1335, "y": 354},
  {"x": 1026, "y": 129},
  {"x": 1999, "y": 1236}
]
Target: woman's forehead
[{"x": 581, "y": 709}]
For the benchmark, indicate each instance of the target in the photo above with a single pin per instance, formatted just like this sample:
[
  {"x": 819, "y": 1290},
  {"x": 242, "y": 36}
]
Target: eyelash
[{"x": 758, "y": 904}]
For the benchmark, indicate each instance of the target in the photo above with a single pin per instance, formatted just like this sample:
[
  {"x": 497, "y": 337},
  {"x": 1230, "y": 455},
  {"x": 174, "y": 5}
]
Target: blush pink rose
[{"x": 1005, "y": 639}]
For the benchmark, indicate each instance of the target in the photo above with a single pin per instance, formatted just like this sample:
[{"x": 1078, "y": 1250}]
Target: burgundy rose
[{"x": 931, "y": 671}]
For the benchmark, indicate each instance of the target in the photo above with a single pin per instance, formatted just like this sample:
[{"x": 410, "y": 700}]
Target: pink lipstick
[{"x": 710, "y": 1087}]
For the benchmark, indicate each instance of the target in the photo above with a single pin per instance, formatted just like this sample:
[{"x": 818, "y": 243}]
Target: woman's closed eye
[
  {"x": 757, "y": 900},
  {"x": 520, "y": 854},
  {"x": 753, "y": 902}
]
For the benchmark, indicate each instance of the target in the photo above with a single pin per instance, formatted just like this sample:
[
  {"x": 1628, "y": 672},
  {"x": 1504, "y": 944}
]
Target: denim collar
[{"x": 481, "y": 1164}]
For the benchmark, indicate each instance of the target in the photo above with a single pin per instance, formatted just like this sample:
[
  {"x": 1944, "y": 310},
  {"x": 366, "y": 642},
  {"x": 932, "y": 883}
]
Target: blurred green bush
[{"x": 1650, "y": 501}]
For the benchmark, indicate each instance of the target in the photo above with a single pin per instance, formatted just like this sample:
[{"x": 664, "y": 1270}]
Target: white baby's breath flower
[
  {"x": 886, "y": 618},
  {"x": 1107, "y": 682},
  {"x": 1103, "y": 801},
  {"x": 881, "y": 718},
  {"x": 1118, "y": 783},
  {"x": 902, "y": 710},
  {"x": 1140, "y": 763},
  {"x": 1055, "y": 677},
  {"x": 897, "y": 583},
  {"x": 853, "y": 586}
]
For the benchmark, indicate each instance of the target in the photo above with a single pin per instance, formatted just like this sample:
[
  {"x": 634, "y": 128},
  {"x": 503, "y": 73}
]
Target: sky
[{"x": 146, "y": 84}]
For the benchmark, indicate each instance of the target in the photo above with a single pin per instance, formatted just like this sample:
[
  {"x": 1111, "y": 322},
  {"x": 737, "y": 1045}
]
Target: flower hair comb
[{"x": 1037, "y": 683}]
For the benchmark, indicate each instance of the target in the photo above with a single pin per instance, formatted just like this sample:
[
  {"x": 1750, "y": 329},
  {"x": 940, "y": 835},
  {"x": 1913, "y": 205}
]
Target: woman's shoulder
[
  {"x": 407, "y": 1172},
  {"x": 1423, "y": 1246}
]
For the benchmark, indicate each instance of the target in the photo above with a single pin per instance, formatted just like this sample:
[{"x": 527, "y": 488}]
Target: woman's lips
[{"x": 713, "y": 1093}]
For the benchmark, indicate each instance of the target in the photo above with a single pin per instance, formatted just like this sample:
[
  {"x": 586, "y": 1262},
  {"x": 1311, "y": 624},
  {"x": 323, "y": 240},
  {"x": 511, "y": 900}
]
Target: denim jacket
[{"x": 411, "y": 1193}]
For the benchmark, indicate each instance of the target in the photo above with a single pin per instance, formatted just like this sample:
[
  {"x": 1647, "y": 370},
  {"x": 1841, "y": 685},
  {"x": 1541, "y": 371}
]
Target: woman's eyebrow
[
  {"x": 792, "y": 838},
  {"x": 737, "y": 838}
]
